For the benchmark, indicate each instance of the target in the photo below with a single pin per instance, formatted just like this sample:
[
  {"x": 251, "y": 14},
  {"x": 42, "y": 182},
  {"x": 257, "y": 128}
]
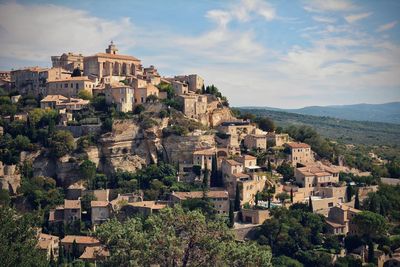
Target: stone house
[
  {"x": 314, "y": 175},
  {"x": 247, "y": 161},
  {"x": 49, "y": 244},
  {"x": 70, "y": 211},
  {"x": 194, "y": 81},
  {"x": 204, "y": 158},
  {"x": 68, "y": 61},
  {"x": 82, "y": 242},
  {"x": 100, "y": 211},
  {"x": 255, "y": 141},
  {"x": 142, "y": 93},
  {"x": 250, "y": 186},
  {"x": 300, "y": 153},
  {"x": 94, "y": 254},
  {"x": 340, "y": 220},
  {"x": 277, "y": 139},
  {"x": 180, "y": 88},
  {"x": 10, "y": 179},
  {"x": 61, "y": 102},
  {"x": 121, "y": 95},
  {"x": 194, "y": 105},
  {"x": 70, "y": 87},
  {"x": 144, "y": 208},
  {"x": 219, "y": 198},
  {"x": 255, "y": 216}
]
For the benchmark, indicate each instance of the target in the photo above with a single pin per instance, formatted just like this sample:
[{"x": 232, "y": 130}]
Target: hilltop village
[{"x": 101, "y": 138}]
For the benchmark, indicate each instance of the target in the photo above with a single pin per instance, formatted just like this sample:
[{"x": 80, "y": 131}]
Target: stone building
[
  {"x": 340, "y": 220},
  {"x": 70, "y": 87},
  {"x": 121, "y": 95},
  {"x": 61, "y": 102},
  {"x": 81, "y": 241},
  {"x": 194, "y": 105},
  {"x": 68, "y": 61},
  {"x": 142, "y": 93},
  {"x": 204, "y": 158},
  {"x": 219, "y": 198},
  {"x": 194, "y": 81},
  {"x": 277, "y": 139},
  {"x": 180, "y": 88},
  {"x": 70, "y": 211},
  {"x": 314, "y": 175},
  {"x": 300, "y": 153},
  {"x": 255, "y": 142},
  {"x": 111, "y": 64},
  {"x": 33, "y": 80},
  {"x": 100, "y": 211},
  {"x": 49, "y": 244}
]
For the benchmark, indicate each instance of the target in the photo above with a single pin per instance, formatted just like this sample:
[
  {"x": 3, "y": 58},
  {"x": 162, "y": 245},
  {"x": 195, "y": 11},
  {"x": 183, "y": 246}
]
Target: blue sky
[{"x": 265, "y": 53}]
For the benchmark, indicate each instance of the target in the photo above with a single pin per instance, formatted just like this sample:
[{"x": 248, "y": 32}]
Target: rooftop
[
  {"x": 92, "y": 253},
  {"x": 209, "y": 151},
  {"x": 80, "y": 239},
  {"x": 232, "y": 162},
  {"x": 52, "y": 98},
  {"x": 69, "y": 79},
  {"x": 96, "y": 203},
  {"x": 72, "y": 204},
  {"x": 114, "y": 56},
  {"x": 148, "y": 204}
]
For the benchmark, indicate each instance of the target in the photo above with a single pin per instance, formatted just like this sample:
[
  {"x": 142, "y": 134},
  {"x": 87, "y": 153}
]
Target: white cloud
[
  {"x": 328, "y": 5},
  {"x": 324, "y": 19},
  {"x": 387, "y": 26},
  {"x": 34, "y": 32},
  {"x": 355, "y": 17}
]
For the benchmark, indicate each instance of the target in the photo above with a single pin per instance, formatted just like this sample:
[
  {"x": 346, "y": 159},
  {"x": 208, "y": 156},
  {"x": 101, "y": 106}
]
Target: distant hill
[
  {"x": 388, "y": 112},
  {"x": 347, "y": 131}
]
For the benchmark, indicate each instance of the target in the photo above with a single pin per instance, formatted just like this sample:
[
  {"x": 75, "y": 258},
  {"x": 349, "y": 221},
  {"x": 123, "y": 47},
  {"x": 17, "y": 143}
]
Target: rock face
[
  {"x": 10, "y": 179},
  {"x": 180, "y": 148}
]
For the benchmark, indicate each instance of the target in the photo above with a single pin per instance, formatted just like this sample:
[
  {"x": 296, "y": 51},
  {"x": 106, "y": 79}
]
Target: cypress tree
[
  {"x": 310, "y": 204},
  {"x": 291, "y": 195},
  {"x": 349, "y": 192},
  {"x": 256, "y": 198},
  {"x": 357, "y": 201},
  {"x": 75, "y": 250},
  {"x": 60, "y": 259},
  {"x": 214, "y": 172},
  {"x": 237, "y": 198},
  {"x": 231, "y": 215},
  {"x": 269, "y": 167},
  {"x": 371, "y": 256}
]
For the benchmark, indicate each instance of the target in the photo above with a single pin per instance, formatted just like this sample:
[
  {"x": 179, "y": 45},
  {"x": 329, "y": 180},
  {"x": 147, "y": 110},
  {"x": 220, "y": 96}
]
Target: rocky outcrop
[
  {"x": 10, "y": 179},
  {"x": 180, "y": 148}
]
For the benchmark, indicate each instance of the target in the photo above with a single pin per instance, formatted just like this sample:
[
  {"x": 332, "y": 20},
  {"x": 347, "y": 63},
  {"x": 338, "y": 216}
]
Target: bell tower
[{"x": 112, "y": 49}]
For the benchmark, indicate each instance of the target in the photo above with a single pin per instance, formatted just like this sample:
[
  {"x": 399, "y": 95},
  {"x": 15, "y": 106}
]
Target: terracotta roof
[
  {"x": 298, "y": 145},
  {"x": 210, "y": 151},
  {"x": 52, "y": 98},
  {"x": 114, "y": 56},
  {"x": 199, "y": 194},
  {"x": 232, "y": 162},
  {"x": 101, "y": 194},
  {"x": 248, "y": 157},
  {"x": 45, "y": 240},
  {"x": 148, "y": 204},
  {"x": 80, "y": 239},
  {"x": 345, "y": 207},
  {"x": 92, "y": 253},
  {"x": 99, "y": 203},
  {"x": 72, "y": 204}
]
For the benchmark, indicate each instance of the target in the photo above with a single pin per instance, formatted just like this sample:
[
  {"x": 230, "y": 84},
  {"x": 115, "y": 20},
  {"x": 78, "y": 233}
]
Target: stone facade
[
  {"x": 121, "y": 95},
  {"x": 68, "y": 61},
  {"x": 194, "y": 81},
  {"x": 300, "y": 153},
  {"x": 70, "y": 87},
  {"x": 255, "y": 141}
]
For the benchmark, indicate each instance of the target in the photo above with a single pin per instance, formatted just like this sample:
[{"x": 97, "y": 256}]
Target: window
[
  {"x": 76, "y": 86},
  {"x": 65, "y": 85},
  {"x": 330, "y": 204}
]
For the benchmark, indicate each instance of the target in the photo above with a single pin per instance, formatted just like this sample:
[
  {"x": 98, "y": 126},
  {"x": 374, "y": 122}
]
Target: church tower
[{"x": 112, "y": 49}]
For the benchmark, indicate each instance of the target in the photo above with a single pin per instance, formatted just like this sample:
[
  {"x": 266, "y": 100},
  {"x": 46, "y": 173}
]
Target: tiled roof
[
  {"x": 52, "y": 98},
  {"x": 45, "y": 240},
  {"x": 115, "y": 56},
  {"x": 72, "y": 204},
  {"x": 71, "y": 79},
  {"x": 248, "y": 157},
  {"x": 99, "y": 203},
  {"x": 233, "y": 162},
  {"x": 80, "y": 239},
  {"x": 298, "y": 145},
  {"x": 92, "y": 253},
  {"x": 148, "y": 204},
  {"x": 240, "y": 175}
]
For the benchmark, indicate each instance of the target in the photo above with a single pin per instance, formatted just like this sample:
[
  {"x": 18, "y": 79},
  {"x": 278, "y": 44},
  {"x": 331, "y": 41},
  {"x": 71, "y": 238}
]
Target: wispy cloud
[
  {"x": 324, "y": 19},
  {"x": 355, "y": 17},
  {"x": 328, "y": 5},
  {"x": 387, "y": 26}
]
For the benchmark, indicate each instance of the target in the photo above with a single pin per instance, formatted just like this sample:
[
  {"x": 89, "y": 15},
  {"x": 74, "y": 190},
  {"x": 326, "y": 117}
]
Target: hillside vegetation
[{"x": 346, "y": 131}]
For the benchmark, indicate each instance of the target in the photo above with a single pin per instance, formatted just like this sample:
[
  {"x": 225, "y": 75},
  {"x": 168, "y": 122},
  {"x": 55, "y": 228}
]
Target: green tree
[
  {"x": 18, "y": 246},
  {"x": 84, "y": 94},
  {"x": 284, "y": 261},
  {"x": 265, "y": 124},
  {"x": 237, "y": 197},
  {"x": 61, "y": 143},
  {"x": 357, "y": 201},
  {"x": 282, "y": 197},
  {"x": 310, "y": 206},
  {"x": 88, "y": 172},
  {"x": 177, "y": 238},
  {"x": 349, "y": 192},
  {"x": 286, "y": 170},
  {"x": 231, "y": 215}
]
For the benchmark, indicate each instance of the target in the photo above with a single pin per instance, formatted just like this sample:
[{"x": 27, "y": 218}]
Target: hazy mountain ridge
[{"x": 388, "y": 112}]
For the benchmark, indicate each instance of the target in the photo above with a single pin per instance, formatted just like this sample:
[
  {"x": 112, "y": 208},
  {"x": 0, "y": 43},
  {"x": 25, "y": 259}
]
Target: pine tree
[
  {"x": 291, "y": 195},
  {"x": 231, "y": 215},
  {"x": 237, "y": 198},
  {"x": 206, "y": 180},
  {"x": 214, "y": 172},
  {"x": 203, "y": 90},
  {"x": 61, "y": 256},
  {"x": 75, "y": 250},
  {"x": 357, "y": 201},
  {"x": 310, "y": 204}
]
